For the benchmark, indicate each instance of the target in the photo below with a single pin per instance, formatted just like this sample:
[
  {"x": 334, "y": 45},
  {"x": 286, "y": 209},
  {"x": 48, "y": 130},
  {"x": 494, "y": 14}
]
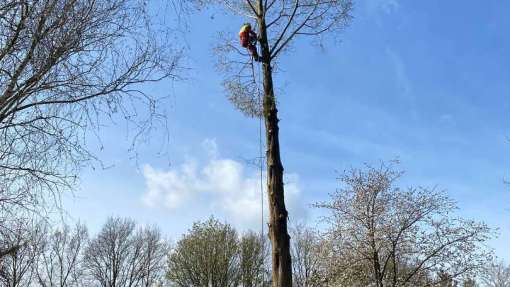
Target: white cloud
[{"x": 220, "y": 186}]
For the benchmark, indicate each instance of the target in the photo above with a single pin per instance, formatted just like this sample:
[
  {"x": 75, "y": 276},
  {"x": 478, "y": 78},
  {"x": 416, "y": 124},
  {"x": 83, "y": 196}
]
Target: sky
[{"x": 425, "y": 82}]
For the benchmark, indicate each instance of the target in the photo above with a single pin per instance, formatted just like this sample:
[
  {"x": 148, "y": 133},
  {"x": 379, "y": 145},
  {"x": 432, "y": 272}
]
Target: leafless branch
[{"x": 65, "y": 67}]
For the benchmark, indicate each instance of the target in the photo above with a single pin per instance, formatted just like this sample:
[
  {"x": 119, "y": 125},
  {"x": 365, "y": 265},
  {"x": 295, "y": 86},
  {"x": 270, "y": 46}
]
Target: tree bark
[{"x": 278, "y": 234}]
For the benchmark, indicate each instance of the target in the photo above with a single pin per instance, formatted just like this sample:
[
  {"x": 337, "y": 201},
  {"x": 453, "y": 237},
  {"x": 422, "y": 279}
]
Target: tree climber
[{"x": 248, "y": 40}]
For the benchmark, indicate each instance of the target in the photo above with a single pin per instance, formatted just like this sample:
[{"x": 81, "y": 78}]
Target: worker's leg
[{"x": 253, "y": 52}]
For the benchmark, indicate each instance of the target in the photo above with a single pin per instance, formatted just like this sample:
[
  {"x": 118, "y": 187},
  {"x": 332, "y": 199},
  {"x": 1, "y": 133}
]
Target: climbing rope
[
  {"x": 261, "y": 163},
  {"x": 261, "y": 155},
  {"x": 256, "y": 81}
]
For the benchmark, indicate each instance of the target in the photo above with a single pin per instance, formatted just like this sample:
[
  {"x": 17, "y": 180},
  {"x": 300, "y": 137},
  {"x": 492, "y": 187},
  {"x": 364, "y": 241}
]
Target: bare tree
[
  {"x": 66, "y": 65},
  {"x": 60, "y": 262},
  {"x": 121, "y": 256},
  {"x": 154, "y": 252},
  {"x": 253, "y": 254},
  {"x": 307, "y": 263},
  {"x": 18, "y": 206},
  {"x": 279, "y": 23},
  {"x": 497, "y": 274},
  {"x": 207, "y": 256},
  {"x": 385, "y": 236},
  {"x": 7, "y": 245},
  {"x": 108, "y": 256},
  {"x": 17, "y": 268}
]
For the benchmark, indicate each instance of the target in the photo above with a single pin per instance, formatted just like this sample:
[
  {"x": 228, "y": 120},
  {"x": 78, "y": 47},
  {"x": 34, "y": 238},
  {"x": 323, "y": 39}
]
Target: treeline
[
  {"x": 374, "y": 234},
  {"x": 121, "y": 254}
]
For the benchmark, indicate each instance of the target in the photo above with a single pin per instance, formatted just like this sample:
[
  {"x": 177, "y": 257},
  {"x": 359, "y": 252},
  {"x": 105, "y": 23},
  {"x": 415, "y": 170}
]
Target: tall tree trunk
[{"x": 281, "y": 260}]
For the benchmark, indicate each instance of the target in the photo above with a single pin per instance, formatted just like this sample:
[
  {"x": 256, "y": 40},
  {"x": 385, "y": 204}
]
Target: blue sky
[{"x": 425, "y": 82}]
